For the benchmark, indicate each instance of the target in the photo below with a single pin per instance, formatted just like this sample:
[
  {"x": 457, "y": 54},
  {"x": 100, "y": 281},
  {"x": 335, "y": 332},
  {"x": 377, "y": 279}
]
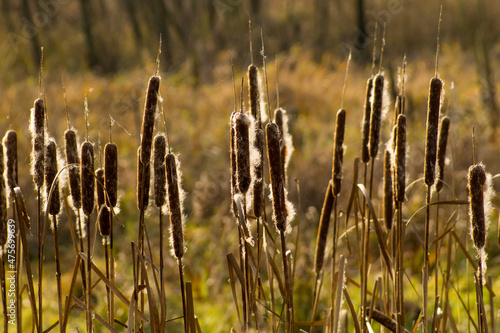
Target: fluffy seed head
[
  {"x": 435, "y": 88},
  {"x": 365, "y": 129},
  {"x": 3, "y": 201},
  {"x": 159, "y": 170},
  {"x": 441, "y": 151},
  {"x": 338, "y": 152},
  {"x": 72, "y": 157},
  {"x": 234, "y": 187},
  {"x": 324, "y": 223},
  {"x": 258, "y": 173},
  {"x": 38, "y": 118},
  {"x": 87, "y": 177},
  {"x": 104, "y": 221},
  {"x": 148, "y": 120},
  {"x": 275, "y": 171},
  {"x": 99, "y": 184},
  {"x": 10, "y": 144},
  {"x": 175, "y": 208},
  {"x": 253, "y": 92},
  {"x": 242, "y": 140},
  {"x": 111, "y": 173},
  {"x": 54, "y": 202},
  {"x": 376, "y": 114},
  {"x": 143, "y": 180},
  {"x": 400, "y": 158},
  {"x": 477, "y": 181},
  {"x": 388, "y": 190},
  {"x": 38, "y": 141}
]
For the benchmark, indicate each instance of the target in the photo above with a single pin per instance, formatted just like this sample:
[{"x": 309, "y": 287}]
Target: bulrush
[
  {"x": 477, "y": 181},
  {"x": 99, "y": 183},
  {"x": 441, "y": 151},
  {"x": 388, "y": 190},
  {"x": 104, "y": 221},
  {"x": 143, "y": 180},
  {"x": 37, "y": 128},
  {"x": 51, "y": 183},
  {"x": 87, "y": 177},
  {"x": 242, "y": 144},
  {"x": 111, "y": 173},
  {"x": 376, "y": 114},
  {"x": 148, "y": 119},
  {"x": 434, "y": 105},
  {"x": 175, "y": 206},
  {"x": 338, "y": 152},
  {"x": 324, "y": 223},
  {"x": 10, "y": 144},
  {"x": 160, "y": 190},
  {"x": 365, "y": 126},
  {"x": 253, "y": 91},
  {"x": 258, "y": 173},
  {"x": 234, "y": 187},
  {"x": 400, "y": 159},
  {"x": 72, "y": 158}
]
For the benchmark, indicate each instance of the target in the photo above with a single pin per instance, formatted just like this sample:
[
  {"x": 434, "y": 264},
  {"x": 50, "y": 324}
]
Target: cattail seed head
[
  {"x": 338, "y": 152},
  {"x": 376, "y": 114},
  {"x": 234, "y": 187},
  {"x": 441, "y": 151},
  {"x": 324, "y": 223},
  {"x": 38, "y": 141},
  {"x": 175, "y": 206},
  {"x": 87, "y": 177},
  {"x": 276, "y": 176},
  {"x": 388, "y": 190},
  {"x": 38, "y": 118},
  {"x": 3, "y": 201},
  {"x": 143, "y": 180},
  {"x": 99, "y": 184},
  {"x": 253, "y": 92},
  {"x": 242, "y": 140},
  {"x": 10, "y": 144},
  {"x": 105, "y": 221},
  {"x": 72, "y": 157},
  {"x": 400, "y": 159},
  {"x": 258, "y": 174},
  {"x": 54, "y": 202},
  {"x": 477, "y": 181},
  {"x": 148, "y": 120},
  {"x": 111, "y": 173},
  {"x": 365, "y": 129},
  {"x": 159, "y": 170},
  {"x": 435, "y": 88}
]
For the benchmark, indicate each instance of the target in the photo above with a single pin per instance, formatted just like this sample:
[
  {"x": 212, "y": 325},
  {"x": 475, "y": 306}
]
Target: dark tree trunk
[
  {"x": 35, "y": 43},
  {"x": 132, "y": 14},
  {"x": 86, "y": 8}
]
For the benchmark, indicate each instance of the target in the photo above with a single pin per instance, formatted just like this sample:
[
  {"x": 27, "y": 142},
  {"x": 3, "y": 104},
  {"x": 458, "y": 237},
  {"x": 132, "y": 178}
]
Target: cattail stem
[
  {"x": 183, "y": 295},
  {"x": 289, "y": 313},
  {"x": 58, "y": 272},
  {"x": 40, "y": 257},
  {"x": 425, "y": 274},
  {"x": 334, "y": 255}
]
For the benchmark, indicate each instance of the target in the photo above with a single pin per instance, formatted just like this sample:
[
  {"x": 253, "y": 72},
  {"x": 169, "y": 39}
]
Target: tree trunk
[
  {"x": 86, "y": 8},
  {"x": 35, "y": 43}
]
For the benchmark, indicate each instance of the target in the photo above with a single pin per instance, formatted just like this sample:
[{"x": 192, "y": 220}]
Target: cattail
[
  {"x": 38, "y": 141},
  {"x": 477, "y": 181},
  {"x": 54, "y": 203},
  {"x": 324, "y": 223},
  {"x": 388, "y": 191},
  {"x": 400, "y": 159},
  {"x": 441, "y": 151},
  {"x": 148, "y": 120},
  {"x": 159, "y": 170},
  {"x": 258, "y": 174},
  {"x": 338, "y": 152},
  {"x": 71, "y": 146},
  {"x": 435, "y": 88},
  {"x": 175, "y": 208},
  {"x": 253, "y": 92},
  {"x": 3, "y": 201},
  {"x": 275, "y": 171},
  {"x": 282, "y": 121},
  {"x": 234, "y": 187},
  {"x": 10, "y": 144},
  {"x": 111, "y": 173},
  {"x": 376, "y": 114},
  {"x": 104, "y": 221},
  {"x": 242, "y": 145},
  {"x": 365, "y": 129},
  {"x": 143, "y": 179},
  {"x": 99, "y": 183},
  {"x": 87, "y": 177}
]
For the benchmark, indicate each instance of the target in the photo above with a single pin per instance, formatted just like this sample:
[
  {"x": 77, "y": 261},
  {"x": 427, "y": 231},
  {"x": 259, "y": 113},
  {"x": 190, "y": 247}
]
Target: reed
[
  {"x": 11, "y": 176},
  {"x": 441, "y": 151},
  {"x": 148, "y": 120},
  {"x": 242, "y": 146},
  {"x": 365, "y": 125}
]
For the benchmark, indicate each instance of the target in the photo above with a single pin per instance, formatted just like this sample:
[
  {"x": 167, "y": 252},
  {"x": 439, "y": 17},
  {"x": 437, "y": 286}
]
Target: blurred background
[{"x": 107, "y": 49}]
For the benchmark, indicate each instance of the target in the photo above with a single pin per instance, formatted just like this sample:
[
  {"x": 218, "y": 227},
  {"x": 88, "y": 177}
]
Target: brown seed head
[
  {"x": 38, "y": 141},
  {"x": 38, "y": 118},
  {"x": 388, "y": 190},
  {"x": 376, "y": 114},
  {"x": 435, "y": 88},
  {"x": 111, "y": 173},
  {"x": 365, "y": 130},
  {"x": 234, "y": 187},
  {"x": 87, "y": 177},
  {"x": 143, "y": 180},
  {"x": 253, "y": 92},
  {"x": 338, "y": 152},
  {"x": 400, "y": 159},
  {"x": 72, "y": 157},
  {"x": 279, "y": 118},
  {"x": 54, "y": 202},
  {"x": 275, "y": 171},
  {"x": 324, "y": 223},
  {"x": 105, "y": 221},
  {"x": 441, "y": 151},
  {"x": 242, "y": 140},
  {"x": 477, "y": 180},
  {"x": 159, "y": 170},
  {"x": 99, "y": 184},
  {"x": 10, "y": 144},
  {"x": 148, "y": 120},
  {"x": 258, "y": 182},
  {"x": 175, "y": 208}
]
